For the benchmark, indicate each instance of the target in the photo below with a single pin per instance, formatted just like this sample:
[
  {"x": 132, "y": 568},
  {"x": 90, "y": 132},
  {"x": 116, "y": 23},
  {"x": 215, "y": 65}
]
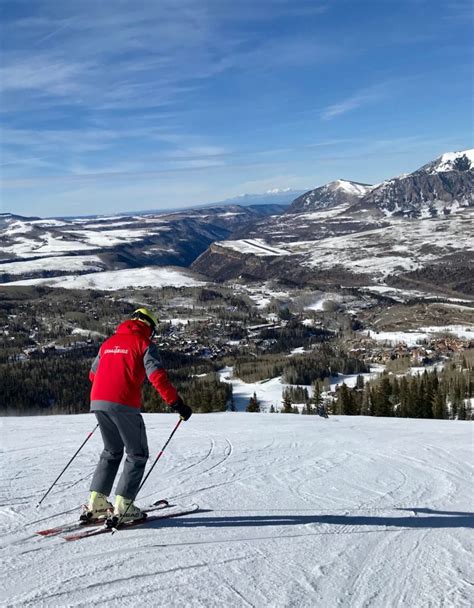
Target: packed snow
[
  {"x": 269, "y": 392},
  {"x": 296, "y": 511},
  {"x": 148, "y": 276}
]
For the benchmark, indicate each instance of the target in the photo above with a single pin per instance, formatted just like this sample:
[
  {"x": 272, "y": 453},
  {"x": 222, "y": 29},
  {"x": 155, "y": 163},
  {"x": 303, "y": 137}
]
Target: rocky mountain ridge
[
  {"x": 436, "y": 188},
  {"x": 412, "y": 232},
  {"x": 432, "y": 189},
  {"x": 32, "y": 248}
]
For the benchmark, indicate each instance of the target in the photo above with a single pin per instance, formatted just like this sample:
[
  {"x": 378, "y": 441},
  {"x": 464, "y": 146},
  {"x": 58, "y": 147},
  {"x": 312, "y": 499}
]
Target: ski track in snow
[{"x": 296, "y": 511}]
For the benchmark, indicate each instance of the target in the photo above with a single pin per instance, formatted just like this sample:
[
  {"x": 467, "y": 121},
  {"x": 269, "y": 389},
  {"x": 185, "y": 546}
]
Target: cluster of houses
[{"x": 432, "y": 350}]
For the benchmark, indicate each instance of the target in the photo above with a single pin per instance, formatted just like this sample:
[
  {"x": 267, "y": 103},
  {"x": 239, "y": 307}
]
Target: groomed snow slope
[{"x": 297, "y": 511}]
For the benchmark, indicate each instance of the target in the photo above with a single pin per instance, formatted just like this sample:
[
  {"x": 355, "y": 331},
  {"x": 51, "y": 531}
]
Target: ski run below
[{"x": 295, "y": 511}]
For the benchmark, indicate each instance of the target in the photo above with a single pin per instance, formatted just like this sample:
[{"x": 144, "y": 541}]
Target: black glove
[{"x": 183, "y": 410}]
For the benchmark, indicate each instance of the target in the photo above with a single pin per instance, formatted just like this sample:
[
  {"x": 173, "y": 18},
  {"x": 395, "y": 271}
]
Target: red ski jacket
[{"x": 123, "y": 362}]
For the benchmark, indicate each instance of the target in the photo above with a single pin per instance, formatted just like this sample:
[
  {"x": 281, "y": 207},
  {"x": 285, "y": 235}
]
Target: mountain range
[{"x": 412, "y": 232}]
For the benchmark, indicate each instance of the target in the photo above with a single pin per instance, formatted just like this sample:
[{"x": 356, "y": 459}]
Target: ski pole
[
  {"x": 119, "y": 521},
  {"x": 57, "y": 478}
]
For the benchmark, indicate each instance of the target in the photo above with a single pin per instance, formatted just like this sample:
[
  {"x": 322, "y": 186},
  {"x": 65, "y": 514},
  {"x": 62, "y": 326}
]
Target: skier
[{"x": 117, "y": 374}]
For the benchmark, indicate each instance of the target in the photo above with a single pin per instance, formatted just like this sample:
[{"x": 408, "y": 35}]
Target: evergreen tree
[
  {"x": 345, "y": 401},
  {"x": 253, "y": 404},
  {"x": 317, "y": 398},
  {"x": 382, "y": 397},
  {"x": 366, "y": 404},
  {"x": 287, "y": 403},
  {"x": 439, "y": 405}
]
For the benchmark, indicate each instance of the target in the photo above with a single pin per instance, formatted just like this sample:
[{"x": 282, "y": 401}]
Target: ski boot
[
  {"x": 97, "y": 509},
  {"x": 124, "y": 511}
]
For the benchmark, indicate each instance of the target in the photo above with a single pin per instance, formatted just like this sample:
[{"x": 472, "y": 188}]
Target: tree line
[
  {"x": 443, "y": 394},
  {"x": 60, "y": 385},
  {"x": 325, "y": 361}
]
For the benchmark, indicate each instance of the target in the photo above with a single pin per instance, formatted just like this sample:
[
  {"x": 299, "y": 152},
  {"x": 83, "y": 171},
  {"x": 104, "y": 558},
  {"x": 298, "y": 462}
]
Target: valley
[{"x": 328, "y": 281}]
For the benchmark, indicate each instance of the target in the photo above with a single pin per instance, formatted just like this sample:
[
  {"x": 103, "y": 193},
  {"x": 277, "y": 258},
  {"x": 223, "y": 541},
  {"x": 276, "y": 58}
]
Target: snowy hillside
[
  {"x": 449, "y": 161},
  {"x": 391, "y": 249},
  {"x": 330, "y": 195},
  {"x": 296, "y": 512},
  {"x": 32, "y": 248},
  {"x": 149, "y": 276}
]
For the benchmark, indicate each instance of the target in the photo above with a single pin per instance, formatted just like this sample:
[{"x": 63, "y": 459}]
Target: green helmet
[{"x": 143, "y": 314}]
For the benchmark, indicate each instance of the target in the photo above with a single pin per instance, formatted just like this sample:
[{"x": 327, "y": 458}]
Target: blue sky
[{"x": 128, "y": 105}]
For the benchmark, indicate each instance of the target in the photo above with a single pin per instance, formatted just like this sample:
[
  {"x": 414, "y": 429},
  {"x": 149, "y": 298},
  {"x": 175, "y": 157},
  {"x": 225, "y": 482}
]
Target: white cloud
[{"x": 362, "y": 98}]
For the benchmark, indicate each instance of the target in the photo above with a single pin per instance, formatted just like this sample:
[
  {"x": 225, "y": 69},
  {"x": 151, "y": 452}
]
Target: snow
[
  {"x": 351, "y": 187},
  {"x": 17, "y": 227},
  {"x": 110, "y": 238},
  {"x": 462, "y": 331},
  {"x": 319, "y": 304},
  {"x": 350, "y": 380},
  {"x": 60, "y": 263},
  {"x": 43, "y": 246},
  {"x": 78, "y": 331},
  {"x": 148, "y": 276},
  {"x": 445, "y": 162},
  {"x": 297, "y": 511},
  {"x": 269, "y": 392},
  {"x": 392, "y": 249},
  {"x": 48, "y": 222},
  {"x": 299, "y": 350},
  {"x": 411, "y": 338},
  {"x": 257, "y": 247},
  {"x": 321, "y": 214},
  {"x": 183, "y": 321}
]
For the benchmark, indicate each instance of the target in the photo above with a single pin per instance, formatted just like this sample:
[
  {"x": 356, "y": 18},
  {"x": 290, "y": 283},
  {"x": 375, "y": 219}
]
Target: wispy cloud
[
  {"x": 359, "y": 99},
  {"x": 151, "y": 90},
  {"x": 145, "y": 54}
]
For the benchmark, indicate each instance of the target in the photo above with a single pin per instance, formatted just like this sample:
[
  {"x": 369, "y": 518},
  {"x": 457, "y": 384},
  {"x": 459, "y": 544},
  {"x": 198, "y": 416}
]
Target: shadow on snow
[{"x": 431, "y": 519}]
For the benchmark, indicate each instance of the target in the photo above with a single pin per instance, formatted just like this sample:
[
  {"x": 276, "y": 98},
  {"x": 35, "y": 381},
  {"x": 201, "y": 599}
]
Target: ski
[
  {"x": 65, "y": 528},
  {"x": 174, "y": 511}
]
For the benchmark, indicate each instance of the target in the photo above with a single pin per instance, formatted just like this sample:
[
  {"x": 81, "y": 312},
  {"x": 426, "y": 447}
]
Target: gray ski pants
[{"x": 119, "y": 430}]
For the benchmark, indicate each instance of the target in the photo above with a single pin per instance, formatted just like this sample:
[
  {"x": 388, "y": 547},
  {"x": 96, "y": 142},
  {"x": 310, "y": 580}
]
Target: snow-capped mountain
[
  {"x": 334, "y": 193},
  {"x": 439, "y": 187},
  {"x": 451, "y": 161},
  {"x": 413, "y": 231}
]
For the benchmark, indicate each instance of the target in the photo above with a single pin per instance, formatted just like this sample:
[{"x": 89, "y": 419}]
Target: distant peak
[
  {"x": 451, "y": 161},
  {"x": 278, "y": 190}
]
